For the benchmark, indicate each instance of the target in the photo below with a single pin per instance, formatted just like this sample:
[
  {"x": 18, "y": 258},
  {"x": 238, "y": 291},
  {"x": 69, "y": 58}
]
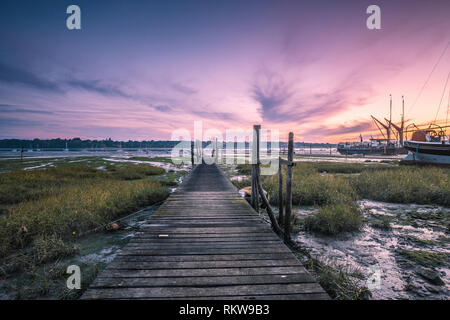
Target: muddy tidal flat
[
  {"x": 405, "y": 258},
  {"x": 399, "y": 246}
]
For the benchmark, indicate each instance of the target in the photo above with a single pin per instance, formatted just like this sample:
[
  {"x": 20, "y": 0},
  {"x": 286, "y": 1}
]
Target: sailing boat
[
  {"x": 385, "y": 145},
  {"x": 66, "y": 149}
]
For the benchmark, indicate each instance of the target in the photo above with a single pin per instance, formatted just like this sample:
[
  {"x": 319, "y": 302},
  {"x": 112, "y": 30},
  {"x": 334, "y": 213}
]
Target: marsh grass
[
  {"x": 425, "y": 258},
  {"x": 134, "y": 172},
  {"x": 422, "y": 185},
  {"x": 335, "y": 187},
  {"x": 420, "y": 241},
  {"x": 242, "y": 183},
  {"x": 48, "y": 207},
  {"x": 244, "y": 169},
  {"x": 383, "y": 223},
  {"x": 335, "y": 218},
  {"x": 340, "y": 282},
  {"x": 344, "y": 168},
  {"x": 50, "y": 281}
]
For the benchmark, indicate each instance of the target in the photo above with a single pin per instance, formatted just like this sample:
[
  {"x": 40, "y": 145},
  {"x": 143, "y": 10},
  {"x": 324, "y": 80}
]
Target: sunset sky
[{"x": 141, "y": 69}]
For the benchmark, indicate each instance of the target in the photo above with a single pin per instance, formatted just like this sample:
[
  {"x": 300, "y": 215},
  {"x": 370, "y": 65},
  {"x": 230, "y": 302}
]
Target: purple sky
[{"x": 141, "y": 69}]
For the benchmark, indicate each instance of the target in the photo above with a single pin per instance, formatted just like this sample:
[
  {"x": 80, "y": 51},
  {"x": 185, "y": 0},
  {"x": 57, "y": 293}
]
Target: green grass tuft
[
  {"x": 340, "y": 282},
  {"x": 425, "y": 258},
  {"x": 335, "y": 218},
  {"x": 383, "y": 223}
]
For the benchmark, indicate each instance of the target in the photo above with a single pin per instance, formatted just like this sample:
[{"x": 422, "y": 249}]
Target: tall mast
[
  {"x": 390, "y": 119},
  {"x": 403, "y": 120}
]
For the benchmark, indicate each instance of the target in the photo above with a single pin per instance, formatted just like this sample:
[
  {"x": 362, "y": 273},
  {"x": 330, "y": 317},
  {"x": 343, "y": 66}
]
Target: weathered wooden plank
[
  {"x": 203, "y": 272},
  {"x": 102, "y": 282},
  {"x": 202, "y": 264},
  {"x": 220, "y": 257},
  {"x": 212, "y": 245},
  {"x": 188, "y": 246},
  {"x": 301, "y": 296},
  {"x": 206, "y": 240},
  {"x": 197, "y": 224},
  {"x": 133, "y": 251},
  {"x": 233, "y": 290},
  {"x": 233, "y": 229},
  {"x": 210, "y": 236}
]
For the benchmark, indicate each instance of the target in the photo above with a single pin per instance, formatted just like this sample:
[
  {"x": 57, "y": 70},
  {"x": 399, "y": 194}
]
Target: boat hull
[
  {"x": 427, "y": 153},
  {"x": 428, "y": 148},
  {"x": 424, "y": 158}
]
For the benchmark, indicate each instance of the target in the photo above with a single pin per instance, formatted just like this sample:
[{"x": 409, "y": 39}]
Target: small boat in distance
[
  {"x": 373, "y": 146},
  {"x": 66, "y": 149},
  {"x": 428, "y": 146},
  {"x": 391, "y": 143}
]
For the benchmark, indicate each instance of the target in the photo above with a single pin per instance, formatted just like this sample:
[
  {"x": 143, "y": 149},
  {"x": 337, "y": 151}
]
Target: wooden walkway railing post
[
  {"x": 283, "y": 218},
  {"x": 287, "y": 217},
  {"x": 280, "y": 193},
  {"x": 257, "y": 189},
  {"x": 192, "y": 154},
  {"x": 255, "y": 167},
  {"x": 216, "y": 158}
]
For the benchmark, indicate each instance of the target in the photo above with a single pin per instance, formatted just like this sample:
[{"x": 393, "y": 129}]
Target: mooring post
[
  {"x": 280, "y": 192},
  {"x": 192, "y": 154},
  {"x": 287, "y": 216},
  {"x": 254, "y": 195},
  {"x": 255, "y": 164},
  {"x": 216, "y": 158},
  {"x": 201, "y": 152},
  {"x": 199, "y": 155}
]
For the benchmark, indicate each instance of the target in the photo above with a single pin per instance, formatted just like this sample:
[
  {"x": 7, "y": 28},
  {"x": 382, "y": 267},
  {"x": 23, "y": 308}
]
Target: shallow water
[
  {"x": 302, "y": 154},
  {"x": 165, "y": 165},
  {"x": 104, "y": 246},
  {"x": 159, "y": 152},
  {"x": 376, "y": 252}
]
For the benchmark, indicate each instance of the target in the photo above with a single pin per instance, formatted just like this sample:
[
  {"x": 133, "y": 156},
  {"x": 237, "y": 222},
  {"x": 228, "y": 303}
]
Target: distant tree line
[{"x": 77, "y": 143}]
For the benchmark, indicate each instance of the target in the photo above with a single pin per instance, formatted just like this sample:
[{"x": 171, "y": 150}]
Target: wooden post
[
  {"x": 192, "y": 154},
  {"x": 201, "y": 151},
  {"x": 287, "y": 216},
  {"x": 280, "y": 192},
  {"x": 254, "y": 197},
  {"x": 255, "y": 167},
  {"x": 216, "y": 158}
]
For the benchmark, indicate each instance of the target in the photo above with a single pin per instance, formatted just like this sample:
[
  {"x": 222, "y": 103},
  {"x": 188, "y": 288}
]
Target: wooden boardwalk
[{"x": 205, "y": 242}]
